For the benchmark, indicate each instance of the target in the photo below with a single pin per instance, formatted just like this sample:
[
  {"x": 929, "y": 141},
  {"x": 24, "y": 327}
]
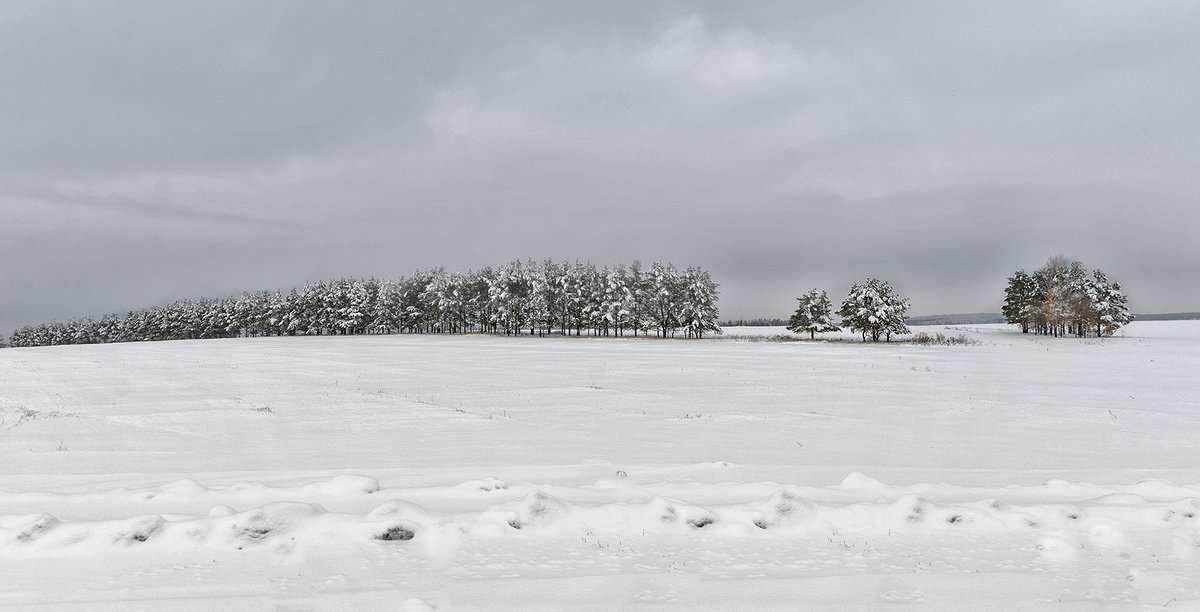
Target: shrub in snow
[
  {"x": 396, "y": 533},
  {"x": 941, "y": 339}
]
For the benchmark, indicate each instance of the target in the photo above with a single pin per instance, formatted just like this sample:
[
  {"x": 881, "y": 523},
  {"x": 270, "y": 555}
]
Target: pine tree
[
  {"x": 1021, "y": 300},
  {"x": 874, "y": 308},
  {"x": 637, "y": 298},
  {"x": 813, "y": 315},
  {"x": 664, "y": 297},
  {"x": 110, "y": 328},
  {"x": 1108, "y": 304},
  {"x": 699, "y": 303},
  {"x": 544, "y": 297}
]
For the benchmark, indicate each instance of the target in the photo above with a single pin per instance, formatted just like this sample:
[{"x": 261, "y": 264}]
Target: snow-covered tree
[
  {"x": 1062, "y": 298},
  {"x": 698, "y": 304},
  {"x": 311, "y": 309},
  {"x": 1064, "y": 305},
  {"x": 664, "y": 297},
  {"x": 477, "y": 298},
  {"x": 545, "y": 299},
  {"x": 576, "y": 292},
  {"x": 1108, "y": 304},
  {"x": 439, "y": 300},
  {"x": 510, "y": 297},
  {"x": 638, "y": 291},
  {"x": 1022, "y": 300},
  {"x": 873, "y": 308},
  {"x": 814, "y": 315},
  {"x": 518, "y": 297},
  {"x": 109, "y": 328}
]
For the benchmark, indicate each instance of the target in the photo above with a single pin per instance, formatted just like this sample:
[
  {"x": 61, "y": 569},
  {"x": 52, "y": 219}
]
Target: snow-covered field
[{"x": 492, "y": 473}]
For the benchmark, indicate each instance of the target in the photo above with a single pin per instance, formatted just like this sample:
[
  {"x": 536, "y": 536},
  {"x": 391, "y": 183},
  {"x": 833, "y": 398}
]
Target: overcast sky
[{"x": 151, "y": 151}]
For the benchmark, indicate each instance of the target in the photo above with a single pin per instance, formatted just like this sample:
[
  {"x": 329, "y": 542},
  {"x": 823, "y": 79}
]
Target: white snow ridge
[{"x": 481, "y": 473}]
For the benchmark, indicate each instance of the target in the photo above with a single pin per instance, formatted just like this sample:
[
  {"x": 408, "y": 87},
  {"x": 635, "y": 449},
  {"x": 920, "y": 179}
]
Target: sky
[{"x": 153, "y": 151}]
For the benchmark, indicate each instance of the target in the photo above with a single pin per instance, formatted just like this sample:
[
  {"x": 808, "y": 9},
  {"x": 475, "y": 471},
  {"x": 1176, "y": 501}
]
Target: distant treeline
[
  {"x": 754, "y": 323},
  {"x": 976, "y": 318},
  {"x": 540, "y": 298},
  {"x": 1171, "y": 316}
]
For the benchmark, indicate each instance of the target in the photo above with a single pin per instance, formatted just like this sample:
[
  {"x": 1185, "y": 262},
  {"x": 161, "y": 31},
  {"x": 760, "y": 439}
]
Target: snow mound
[
  {"x": 861, "y": 481},
  {"x": 345, "y": 485},
  {"x": 222, "y": 528},
  {"x": 537, "y": 509},
  {"x": 483, "y": 484},
  {"x": 263, "y": 524},
  {"x": 671, "y": 512},
  {"x": 1058, "y": 519}
]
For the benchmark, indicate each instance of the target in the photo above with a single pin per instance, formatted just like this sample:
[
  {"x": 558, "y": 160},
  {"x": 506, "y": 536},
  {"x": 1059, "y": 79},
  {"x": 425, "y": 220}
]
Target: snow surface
[{"x": 477, "y": 472}]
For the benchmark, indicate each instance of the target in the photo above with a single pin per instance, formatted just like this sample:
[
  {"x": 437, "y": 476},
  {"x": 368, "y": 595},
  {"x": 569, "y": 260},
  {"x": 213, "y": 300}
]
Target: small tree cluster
[
  {"x": 1064, "y": 298},
  {"x": 874, "y": 309},
  {"x": 535, "y": 297}
]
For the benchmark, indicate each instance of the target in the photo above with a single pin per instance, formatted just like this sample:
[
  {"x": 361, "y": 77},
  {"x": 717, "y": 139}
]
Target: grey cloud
[{"x": 229, "y": 146}]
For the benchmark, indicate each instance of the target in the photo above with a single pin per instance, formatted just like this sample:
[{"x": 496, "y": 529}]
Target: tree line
[
  {"x": 539, "y": 298},
  {"x": 1064, "y": 298}
]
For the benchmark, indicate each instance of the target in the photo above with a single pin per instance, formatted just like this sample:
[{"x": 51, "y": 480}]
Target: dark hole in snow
[
  {"x": 761, "y": 524},
  {"x": 139, "y": 537},
  {"x": 396, "y": 533},
  {"x": 514, "y": 523},
  {"x": 252, "y": 533},
  {"x": 1073, "y": 516},
  {"x": 1189, "y": 514},
  {"x": 700, "y": 522},
  {"x": 1029, "y": 523},
  {"x": 957, "y": 518}
]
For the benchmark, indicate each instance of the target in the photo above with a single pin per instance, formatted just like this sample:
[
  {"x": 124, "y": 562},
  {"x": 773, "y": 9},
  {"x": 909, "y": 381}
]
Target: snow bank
[{"x": 1063, "y": 516}]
